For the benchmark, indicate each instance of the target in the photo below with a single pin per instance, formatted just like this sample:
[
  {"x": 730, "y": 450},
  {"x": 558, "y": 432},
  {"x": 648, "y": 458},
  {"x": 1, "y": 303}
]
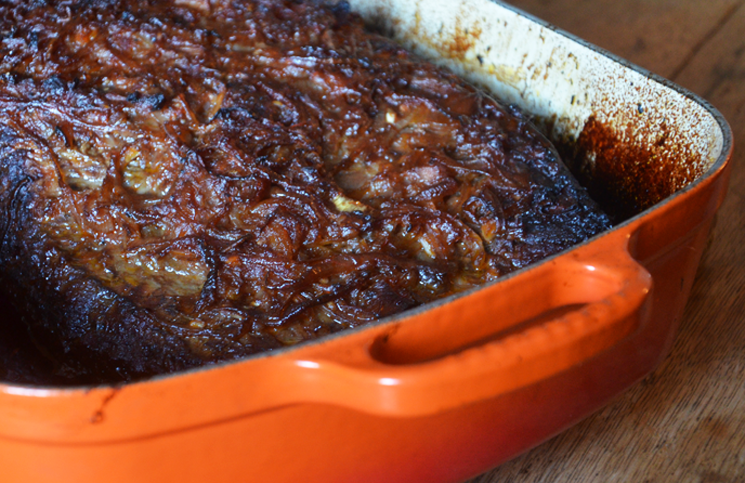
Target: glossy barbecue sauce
[{"x": 261, "y": 173}]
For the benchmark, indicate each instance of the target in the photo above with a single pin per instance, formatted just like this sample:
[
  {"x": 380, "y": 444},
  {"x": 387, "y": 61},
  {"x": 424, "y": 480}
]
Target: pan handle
[
  {"x": 500, "y": 338},
  {"x": 588, "y": 299}
]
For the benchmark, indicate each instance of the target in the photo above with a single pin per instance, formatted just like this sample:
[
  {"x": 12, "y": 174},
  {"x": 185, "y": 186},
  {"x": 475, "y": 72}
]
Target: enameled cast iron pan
[{"x": 450, "y": 390}]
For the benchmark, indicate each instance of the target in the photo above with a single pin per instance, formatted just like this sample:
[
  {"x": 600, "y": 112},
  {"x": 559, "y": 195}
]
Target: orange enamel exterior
[{"x": 439, "y": 394}]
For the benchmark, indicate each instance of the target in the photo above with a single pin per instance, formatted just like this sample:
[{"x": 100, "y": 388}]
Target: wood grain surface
[{"x": 685, "y": 423}]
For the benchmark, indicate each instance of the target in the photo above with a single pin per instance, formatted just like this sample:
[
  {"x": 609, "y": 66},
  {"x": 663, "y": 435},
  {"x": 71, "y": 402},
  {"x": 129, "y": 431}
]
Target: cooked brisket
[{"x": 193, "y": 181}]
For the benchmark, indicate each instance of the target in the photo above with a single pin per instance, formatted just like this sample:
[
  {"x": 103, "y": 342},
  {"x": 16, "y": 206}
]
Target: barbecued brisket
[{"x": 194, "y": 181}]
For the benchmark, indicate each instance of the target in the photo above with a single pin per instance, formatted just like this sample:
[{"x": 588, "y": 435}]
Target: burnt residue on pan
[
  {"x": 624, "y": 178},
  {"x": 462, "y": 40},
  {"x": 627, "y": 168},
  {"x": 454, "y": 44}
]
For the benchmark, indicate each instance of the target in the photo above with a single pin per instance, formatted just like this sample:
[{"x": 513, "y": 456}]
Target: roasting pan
[{"x": 447, "y": 391}]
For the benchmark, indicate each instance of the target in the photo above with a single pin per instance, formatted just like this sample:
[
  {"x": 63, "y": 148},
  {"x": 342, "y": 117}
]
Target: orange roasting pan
[{"x": 449, "y": 390}]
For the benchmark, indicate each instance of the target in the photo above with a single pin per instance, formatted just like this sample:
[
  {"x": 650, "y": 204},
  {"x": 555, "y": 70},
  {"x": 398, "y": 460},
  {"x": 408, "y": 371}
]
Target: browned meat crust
[{"x": 189, "y": 182}]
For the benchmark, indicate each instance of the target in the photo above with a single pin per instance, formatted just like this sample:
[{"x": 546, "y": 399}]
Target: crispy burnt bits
[{"x": 188, "y": 182}]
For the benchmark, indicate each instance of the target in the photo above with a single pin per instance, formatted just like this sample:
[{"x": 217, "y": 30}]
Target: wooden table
[{"x": 685, "y": 422}]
